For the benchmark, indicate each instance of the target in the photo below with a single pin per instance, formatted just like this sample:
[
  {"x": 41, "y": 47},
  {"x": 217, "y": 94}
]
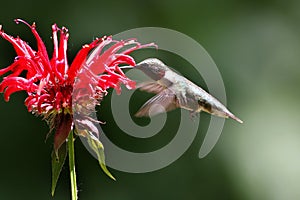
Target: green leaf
[
  {"x": 98, "y": 148},
  {"x": 58, "y": 161}
]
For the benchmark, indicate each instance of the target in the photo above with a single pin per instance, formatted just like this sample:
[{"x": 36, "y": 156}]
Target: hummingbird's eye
[{"x": 204, "y": 104}]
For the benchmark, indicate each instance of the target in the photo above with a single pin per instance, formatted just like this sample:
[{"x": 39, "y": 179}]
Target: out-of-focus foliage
[{"x": 255, "y": 45}]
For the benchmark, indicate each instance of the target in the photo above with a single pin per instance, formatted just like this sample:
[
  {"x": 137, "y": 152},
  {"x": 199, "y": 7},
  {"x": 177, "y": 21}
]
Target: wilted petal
[{"x": 63, "y": 124}]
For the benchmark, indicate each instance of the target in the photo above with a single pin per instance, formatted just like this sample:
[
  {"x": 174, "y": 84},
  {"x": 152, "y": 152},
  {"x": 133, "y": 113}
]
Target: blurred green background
[{"x": 255, "y": 45}]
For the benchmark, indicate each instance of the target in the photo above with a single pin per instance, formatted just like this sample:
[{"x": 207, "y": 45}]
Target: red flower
[{"x": 49, "y": 82}]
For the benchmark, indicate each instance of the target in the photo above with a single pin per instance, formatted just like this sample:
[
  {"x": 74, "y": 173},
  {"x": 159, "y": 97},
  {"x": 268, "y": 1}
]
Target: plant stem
[{"x": 72, "y": 166}]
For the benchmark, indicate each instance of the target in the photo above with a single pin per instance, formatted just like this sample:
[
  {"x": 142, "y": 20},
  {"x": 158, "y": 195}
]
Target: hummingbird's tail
[
  {"x": 232, "y": 116},
  {"x": 222, "y": 111}
]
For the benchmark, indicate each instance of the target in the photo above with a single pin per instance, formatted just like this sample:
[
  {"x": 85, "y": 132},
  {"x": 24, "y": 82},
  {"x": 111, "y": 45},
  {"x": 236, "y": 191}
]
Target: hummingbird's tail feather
[
  {"x": 218, "y": 109},
  {"x": 232, "y": 116}
]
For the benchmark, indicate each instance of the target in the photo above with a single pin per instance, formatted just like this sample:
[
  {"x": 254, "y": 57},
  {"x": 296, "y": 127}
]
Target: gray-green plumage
[{"x": 175, "y": 91}]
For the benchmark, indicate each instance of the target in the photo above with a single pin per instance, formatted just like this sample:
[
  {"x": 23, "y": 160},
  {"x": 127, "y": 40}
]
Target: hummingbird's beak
[{"x": 126, "y": 67}]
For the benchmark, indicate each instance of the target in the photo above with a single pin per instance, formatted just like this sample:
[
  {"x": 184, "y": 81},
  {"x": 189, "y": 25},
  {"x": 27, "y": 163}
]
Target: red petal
[
  {"x": 80, "y": 58},
  {"x": 9, "y": 90},
  {"x": 123, "y": 59},
  {"x": 41, "y": 46},
  {"x": 42, "y": 101}
]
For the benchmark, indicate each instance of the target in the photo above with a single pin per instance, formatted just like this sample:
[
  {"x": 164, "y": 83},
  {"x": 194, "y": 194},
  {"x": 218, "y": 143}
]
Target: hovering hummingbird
[{"x": 175, "y": 91}]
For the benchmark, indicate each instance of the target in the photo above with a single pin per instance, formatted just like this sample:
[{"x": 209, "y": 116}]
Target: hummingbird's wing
[
  {"x": 162, "y": 102},
  {"x": 151, "y": 87}
]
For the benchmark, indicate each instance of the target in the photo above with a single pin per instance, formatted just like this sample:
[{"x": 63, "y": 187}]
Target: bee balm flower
[{"x": 49, "y": 82}]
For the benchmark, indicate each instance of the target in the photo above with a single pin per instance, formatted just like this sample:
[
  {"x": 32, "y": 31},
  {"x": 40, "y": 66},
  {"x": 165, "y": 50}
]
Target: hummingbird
[{"x": 175, "y": 91}]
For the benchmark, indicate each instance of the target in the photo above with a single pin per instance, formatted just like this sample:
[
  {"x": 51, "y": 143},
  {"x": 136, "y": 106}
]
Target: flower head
[{"x": 49, "y": 82}]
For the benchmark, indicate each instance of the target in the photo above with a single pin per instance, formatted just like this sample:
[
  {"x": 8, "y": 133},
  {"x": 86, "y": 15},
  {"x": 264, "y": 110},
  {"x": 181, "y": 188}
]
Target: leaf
[
  {"x": 98, "y": 148},
  {"x": 58, "y": 161}
]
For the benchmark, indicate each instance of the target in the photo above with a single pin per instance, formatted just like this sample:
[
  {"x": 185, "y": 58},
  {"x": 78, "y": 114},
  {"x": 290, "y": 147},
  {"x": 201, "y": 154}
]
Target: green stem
[{"x": 72, "y": 166}]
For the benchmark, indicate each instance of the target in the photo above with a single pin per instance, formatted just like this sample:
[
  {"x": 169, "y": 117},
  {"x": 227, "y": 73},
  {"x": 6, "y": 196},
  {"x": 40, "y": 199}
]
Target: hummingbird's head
[{"x": 153, "y": 68}]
